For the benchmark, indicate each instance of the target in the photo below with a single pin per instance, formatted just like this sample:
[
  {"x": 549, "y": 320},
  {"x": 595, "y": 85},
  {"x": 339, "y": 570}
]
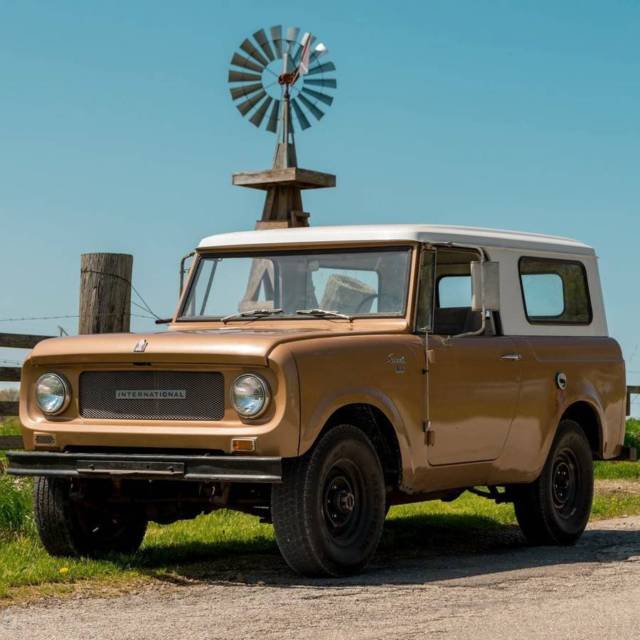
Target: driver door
[{"x": 473, "y": 380}]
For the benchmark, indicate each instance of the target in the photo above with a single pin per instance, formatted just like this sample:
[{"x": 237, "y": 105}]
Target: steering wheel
[{"x": 370, "y": 298}]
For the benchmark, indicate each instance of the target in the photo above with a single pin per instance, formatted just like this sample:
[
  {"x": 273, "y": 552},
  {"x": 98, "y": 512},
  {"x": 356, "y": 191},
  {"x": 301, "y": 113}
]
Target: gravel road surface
[{"x": 497, "y": 589}]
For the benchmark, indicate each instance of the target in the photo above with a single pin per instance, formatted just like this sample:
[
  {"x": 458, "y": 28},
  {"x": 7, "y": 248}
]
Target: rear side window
[{"x": 555, "y": 291}]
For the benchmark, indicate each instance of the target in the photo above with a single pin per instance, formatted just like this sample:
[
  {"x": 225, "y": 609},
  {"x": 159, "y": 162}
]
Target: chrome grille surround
[{"x": 152, "y": 395}]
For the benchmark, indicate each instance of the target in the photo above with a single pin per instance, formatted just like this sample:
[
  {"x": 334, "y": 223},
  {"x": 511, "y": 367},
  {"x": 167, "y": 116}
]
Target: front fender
[{"x": 330, "y": 404}]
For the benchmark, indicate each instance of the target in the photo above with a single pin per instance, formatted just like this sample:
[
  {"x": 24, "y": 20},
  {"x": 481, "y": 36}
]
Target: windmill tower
[{"x": 282, "y": 80}]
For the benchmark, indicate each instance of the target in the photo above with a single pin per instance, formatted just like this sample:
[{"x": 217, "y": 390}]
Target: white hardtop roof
[{"x": 436, "y": 234}]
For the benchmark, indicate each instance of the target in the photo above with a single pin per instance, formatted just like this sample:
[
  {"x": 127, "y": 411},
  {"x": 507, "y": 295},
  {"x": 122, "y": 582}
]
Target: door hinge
[{"x": 429, "y": 435}]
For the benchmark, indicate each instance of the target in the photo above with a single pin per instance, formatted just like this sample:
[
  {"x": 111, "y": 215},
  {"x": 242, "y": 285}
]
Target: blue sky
[{"x": 117, "y": 133}]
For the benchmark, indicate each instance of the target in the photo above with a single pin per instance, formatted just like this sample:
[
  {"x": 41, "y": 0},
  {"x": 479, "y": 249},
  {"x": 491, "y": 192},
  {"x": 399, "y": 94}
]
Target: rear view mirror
[{"x": 485, "y": 285}]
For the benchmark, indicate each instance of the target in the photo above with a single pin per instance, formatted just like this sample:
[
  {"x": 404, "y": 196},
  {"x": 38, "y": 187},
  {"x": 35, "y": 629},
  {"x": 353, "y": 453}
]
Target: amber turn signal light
[{"x": 243, "y": 445}]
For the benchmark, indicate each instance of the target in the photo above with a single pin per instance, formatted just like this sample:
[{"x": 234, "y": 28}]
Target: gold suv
[{"x": 314, "y": 377}]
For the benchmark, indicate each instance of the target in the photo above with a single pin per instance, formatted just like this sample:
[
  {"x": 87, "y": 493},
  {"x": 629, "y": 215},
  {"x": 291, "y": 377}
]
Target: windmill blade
[
  {"x": 272, "y": 125},
  {"x": 257, "y": 118},
  {"x": 247, "y": 47},
  {"x": 291, "y": 41},
  {"x": 312, "y": 107},
  {"x": 321, "y": 68},
  {"x": 241, "y": 76},
  {"x": 319, "y": 50},
  {"x": 245, "y": 63},
  {"x": 261, "y": 38},
  {"x": 302, "y": 119},
  {"x": 307, "y": 36},
  {"x": 248, "y": 89},
  {"x": 323, "y": 97},
  {"x": 276, "y": 36},
  {"x": 247, "y": 105},
  {"x": 303, "y": 41},
  {"x": 321, "y": 82},
  {"x": 292, "y": 34}
]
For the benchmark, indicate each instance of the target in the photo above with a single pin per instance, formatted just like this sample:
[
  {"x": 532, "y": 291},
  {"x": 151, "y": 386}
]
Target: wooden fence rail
[
  {"x": 632, "y": 390},
  {"x": 20, "y": 340},
  {"x": 12, "y": 374}
]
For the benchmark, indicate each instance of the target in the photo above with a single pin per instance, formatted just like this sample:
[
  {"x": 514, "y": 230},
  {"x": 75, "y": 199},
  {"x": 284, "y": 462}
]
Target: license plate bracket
[{"x": 130, "y": 468}]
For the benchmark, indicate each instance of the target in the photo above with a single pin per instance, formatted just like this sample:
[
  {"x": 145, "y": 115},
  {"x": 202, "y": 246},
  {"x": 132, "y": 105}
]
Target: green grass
[
  {"x": 9, "y": 427},
  {"x": 617, "y": 470}
]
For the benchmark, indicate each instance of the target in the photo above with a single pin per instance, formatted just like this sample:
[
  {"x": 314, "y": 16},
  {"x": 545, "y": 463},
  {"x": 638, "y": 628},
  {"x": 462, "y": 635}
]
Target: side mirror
[{"x": 485, "y": 286}]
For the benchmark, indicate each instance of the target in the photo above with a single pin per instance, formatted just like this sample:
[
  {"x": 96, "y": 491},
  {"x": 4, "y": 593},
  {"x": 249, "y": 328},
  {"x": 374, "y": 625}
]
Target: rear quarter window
[{"x": 554, "y": 291}]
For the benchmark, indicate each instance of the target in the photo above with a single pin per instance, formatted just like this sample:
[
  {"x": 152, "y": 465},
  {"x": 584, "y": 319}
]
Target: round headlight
[
  {"x": 52, "y": 393},
  {"x": 250, "y": 395}
]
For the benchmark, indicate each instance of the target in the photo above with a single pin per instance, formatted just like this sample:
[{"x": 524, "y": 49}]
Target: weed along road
[{"x": 497, "y": 589}]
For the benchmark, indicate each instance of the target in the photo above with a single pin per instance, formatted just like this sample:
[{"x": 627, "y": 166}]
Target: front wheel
[
  {"x": 555, "y": 508},
  {"x": 329, "y": 511},
  {"x": 72, "y": 528}
]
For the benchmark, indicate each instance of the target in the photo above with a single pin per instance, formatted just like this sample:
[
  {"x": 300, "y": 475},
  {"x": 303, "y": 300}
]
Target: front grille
[{"x": 152, "y": 395}]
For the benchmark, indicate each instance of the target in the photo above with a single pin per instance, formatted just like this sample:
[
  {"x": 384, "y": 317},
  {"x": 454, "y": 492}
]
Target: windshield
[{"x": 342, "y": 283}]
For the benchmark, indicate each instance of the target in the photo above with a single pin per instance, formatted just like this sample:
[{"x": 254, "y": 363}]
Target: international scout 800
[{"x": 315, "y": 377}]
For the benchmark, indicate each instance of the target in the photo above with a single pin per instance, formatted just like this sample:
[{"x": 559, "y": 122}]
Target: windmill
[{"x": 282, "y": 82}]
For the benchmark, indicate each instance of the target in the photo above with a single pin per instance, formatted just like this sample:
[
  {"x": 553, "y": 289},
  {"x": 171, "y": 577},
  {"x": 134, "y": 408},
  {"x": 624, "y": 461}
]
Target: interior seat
[{"x": 451, "y": 321}]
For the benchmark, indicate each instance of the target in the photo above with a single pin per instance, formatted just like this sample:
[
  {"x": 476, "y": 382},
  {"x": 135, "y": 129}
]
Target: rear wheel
[
  {"x": 329, "y": 511},
  {"x": 555, "y": 508},
  {"x": 73, "y": 528}
]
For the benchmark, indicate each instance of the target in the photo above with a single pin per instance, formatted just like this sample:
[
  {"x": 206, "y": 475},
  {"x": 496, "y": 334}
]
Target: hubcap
[
  {"x": 565, "y": 483},
  {"x": 342, "y": 501}
]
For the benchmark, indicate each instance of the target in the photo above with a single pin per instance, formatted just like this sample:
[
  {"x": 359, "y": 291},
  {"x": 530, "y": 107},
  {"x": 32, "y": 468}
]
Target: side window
[
  {"x": 555, "y": 291},
  {"x": 454, "y": 291}
]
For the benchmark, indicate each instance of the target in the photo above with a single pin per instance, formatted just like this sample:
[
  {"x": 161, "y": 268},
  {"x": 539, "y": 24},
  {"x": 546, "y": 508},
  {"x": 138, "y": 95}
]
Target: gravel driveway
[{"x": 499, "y": 590}]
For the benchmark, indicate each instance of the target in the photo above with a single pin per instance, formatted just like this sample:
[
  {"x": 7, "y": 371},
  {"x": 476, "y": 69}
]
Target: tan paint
[{"x": 492, "y": 420}]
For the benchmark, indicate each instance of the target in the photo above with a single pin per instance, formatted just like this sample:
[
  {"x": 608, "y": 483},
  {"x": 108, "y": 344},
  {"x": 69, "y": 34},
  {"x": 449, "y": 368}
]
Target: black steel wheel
[
  {"x": 556, "y": 507},
  {"x": 73, "y": 528},
  {"x": 329, "y": 511}
]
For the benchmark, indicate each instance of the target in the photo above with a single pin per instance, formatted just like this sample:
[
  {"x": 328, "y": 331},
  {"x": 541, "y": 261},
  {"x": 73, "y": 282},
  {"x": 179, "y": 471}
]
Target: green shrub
[{"x": 632, "y": 435}]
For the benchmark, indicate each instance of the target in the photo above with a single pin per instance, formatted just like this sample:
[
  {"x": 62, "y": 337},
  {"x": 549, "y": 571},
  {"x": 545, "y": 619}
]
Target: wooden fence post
[{"x": 105, "y": 292}]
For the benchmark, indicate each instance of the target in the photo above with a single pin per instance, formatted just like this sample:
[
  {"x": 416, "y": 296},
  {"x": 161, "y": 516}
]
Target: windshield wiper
[
  {"x": 323, "y": 313},
  {"x": 254, "y": 314}
]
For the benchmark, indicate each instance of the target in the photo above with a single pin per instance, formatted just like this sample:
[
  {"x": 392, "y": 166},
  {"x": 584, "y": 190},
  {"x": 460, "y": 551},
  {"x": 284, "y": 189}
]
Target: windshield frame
[{"x": 262, "y": 251}]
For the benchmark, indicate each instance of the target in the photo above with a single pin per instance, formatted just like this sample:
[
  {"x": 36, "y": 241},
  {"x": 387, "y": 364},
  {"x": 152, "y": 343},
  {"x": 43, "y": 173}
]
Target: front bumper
[{"x": 190, "y": 468}]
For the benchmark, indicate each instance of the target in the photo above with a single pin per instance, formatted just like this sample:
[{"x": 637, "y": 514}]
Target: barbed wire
[
  {"x": 101, "y": 315},
  {"x": 144, "y": 306},
  {"x": 117, "y": 276}
]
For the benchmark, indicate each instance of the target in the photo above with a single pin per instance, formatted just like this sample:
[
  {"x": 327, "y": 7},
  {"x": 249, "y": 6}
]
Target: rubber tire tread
[
  {"x": 296, "y": 538},
  {"x": 59, "y": 530},
  {"x": 533, "y": 505}
]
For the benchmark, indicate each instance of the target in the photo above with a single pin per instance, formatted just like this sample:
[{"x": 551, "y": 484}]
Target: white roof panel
[{"x": 436, "y": 234}]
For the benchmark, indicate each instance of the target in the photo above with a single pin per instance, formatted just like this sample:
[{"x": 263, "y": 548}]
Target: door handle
[{"x": 511, "y": 356}]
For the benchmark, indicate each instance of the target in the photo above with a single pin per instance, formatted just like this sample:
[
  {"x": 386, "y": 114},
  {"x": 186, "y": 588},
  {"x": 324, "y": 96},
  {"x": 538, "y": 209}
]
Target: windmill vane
[{"x": 280, "y": 76}]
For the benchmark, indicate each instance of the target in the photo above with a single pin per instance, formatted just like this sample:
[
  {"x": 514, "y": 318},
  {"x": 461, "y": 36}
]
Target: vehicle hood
[{"x": 222, "y": 345}]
